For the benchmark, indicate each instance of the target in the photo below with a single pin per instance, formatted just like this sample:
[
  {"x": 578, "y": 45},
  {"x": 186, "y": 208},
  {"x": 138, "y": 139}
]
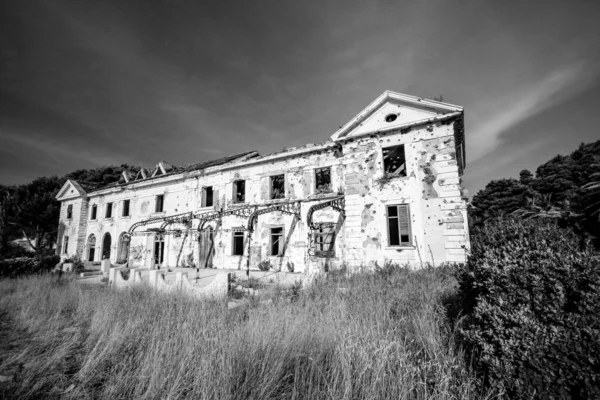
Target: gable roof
[
  {"x": 70, "y": 190},
  {"x": 437, "y": 111}
]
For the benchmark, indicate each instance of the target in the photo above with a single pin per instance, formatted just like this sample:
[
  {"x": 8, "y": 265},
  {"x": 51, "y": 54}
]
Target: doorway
[
  {"x": 205, "y": 248},
  {"x": 159, "y": 250},
  {"x": 91, "y": 247},
  {"x": 106, "y": 247}
]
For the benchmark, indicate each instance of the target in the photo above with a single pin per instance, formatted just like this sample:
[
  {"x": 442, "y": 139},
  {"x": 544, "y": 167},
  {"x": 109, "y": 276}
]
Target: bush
[
  {"x": 77, "y": 263},
  {"x": 17, "y": 267},
  {"x": 264, "y": 265},
  {"x": 532, "y": 303}
]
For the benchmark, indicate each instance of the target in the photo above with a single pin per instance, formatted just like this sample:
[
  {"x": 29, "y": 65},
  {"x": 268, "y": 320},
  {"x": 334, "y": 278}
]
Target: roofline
[
  {"x": 210, "y": 170},
  {"x": 390, "y": 95}
]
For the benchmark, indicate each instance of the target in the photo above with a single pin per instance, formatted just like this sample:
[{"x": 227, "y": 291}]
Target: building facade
[{"x": 386, "y": 187}]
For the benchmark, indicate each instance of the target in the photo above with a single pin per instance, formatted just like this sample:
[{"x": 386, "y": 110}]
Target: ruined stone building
[{"x": 385, "y": 187}]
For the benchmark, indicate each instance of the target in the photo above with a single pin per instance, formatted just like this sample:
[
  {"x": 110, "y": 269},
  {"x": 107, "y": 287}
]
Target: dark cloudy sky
[{"x": 86, "y": 83}]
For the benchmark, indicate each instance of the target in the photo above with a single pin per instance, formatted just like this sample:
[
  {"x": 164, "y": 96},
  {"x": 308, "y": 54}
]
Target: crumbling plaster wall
[
  {"x": 431, "y": 188},
  {"x": 74, "y": 227}
]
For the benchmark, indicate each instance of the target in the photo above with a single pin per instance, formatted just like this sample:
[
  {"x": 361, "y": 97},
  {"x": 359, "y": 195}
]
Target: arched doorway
[
  {"x": 106, "y": 247},
  {"x": 91, "y": 246},
  {"x": 123, "y": 250}
]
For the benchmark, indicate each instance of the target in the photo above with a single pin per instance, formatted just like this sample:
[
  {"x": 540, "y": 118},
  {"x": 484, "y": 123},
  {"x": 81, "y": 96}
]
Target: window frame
[
  {"x": 403, "y": 174},
  {"x": 203, "y": 202},
  {"x": 162, "y": 203},
  {"x": 271, "y": 179},
  {"x": 397, "y": 217},
  {"x": 237, "y": 233},
  {"x": 235, "y": 191},
  {"x": 323, "y": 191},
  {"x": 108, "y": 210},
  {"x": 317, "y": 233},
  {"x": 70, "y": 211},
  {"x": 281, "y": 241},
  {"x": 65, "y": 244},
  {"x": 94, "y": 212},
  {"x": 128, "y": 202}
]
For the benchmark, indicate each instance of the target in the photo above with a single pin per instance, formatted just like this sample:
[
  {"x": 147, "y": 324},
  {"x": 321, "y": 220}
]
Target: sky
[{"x": 87, "y": 83}]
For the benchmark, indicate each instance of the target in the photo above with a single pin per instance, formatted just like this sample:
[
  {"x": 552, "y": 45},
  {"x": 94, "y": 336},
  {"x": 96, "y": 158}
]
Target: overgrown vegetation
[
  {"x": 367, "y": 336},
  {"x": 17, "y": 267},
  {"x": 530, "y": 293}
]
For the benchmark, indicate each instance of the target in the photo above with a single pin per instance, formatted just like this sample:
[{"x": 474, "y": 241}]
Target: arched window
[
  {"x": 123, "y": 252},
  {"x": 91, "y": 247}
]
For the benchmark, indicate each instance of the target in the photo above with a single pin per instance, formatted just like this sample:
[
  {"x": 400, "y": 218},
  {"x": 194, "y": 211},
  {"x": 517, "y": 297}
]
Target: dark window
[
  {"x": 399, "y": 225},
  {"x": 66, "y": 245},
  {"x": 276, "y": 246},
  {"x": 207, "y": 196},
  {"x": 70, "y": 211},
  {"x": 323, "y": 180},
  {"x": 394, "y": 160},
  {"x": 160, "y": 203},
  {"x": 94, "y": 212},
  {"x": 324, "y": 244},
  {"x": 126, "y": 208},
  {"x": 278, "y": 187},
  {"x": 108, "y": 213},
  {"x": 239, "y": 191},
  {"x": 238, "y": 243}
]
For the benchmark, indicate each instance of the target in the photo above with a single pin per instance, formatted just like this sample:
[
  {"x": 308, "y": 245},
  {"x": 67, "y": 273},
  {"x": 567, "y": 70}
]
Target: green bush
[
  {"x": 532, "y": 302},
  {"x": 17, "y": 267}
]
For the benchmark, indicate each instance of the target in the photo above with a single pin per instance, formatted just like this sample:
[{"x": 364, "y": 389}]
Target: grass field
[{"x": 378, "y": 335}]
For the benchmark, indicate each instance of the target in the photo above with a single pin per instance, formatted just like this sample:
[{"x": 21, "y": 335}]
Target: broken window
[
  {"x": 70, "y": 211},
  {"x": 207, "y": 196},
  {"x": 398, "y": 217},
  {"x": 160, "y": 203},
  {"x": 239, "y": 191},
  {"x": 278, "y": 186},
  {"x": 108, "y": 213},
  {"x": 324, "y": 240},
  {"x": 238, "y": 243},
  {"x": 276, "y": 245},
  {"x": 126, "y": 208},
  {"x": 94, "y": 212},
  {"x": 323, "y": 180},
  {"x": 394, "y": 160},
  {"x": 66, "y": 245}
]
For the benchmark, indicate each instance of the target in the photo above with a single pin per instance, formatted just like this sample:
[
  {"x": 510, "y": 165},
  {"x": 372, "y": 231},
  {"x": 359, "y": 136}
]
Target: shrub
[
  {"x": 264, "y": 265},
  {"x": 532, "y": 303},
  {"x": 17, "y": 267},
  {"x": 77, "y": 263}
]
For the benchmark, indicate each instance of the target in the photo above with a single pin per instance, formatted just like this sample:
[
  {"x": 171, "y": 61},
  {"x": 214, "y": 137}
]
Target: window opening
[
  {"x": 70, "y": 211},
  {"x": 394, "y": 160},
  {"x": 324, "y": 240},
  {"x": 66, "y": 245},
  {"x": 207, "y": 196},
  {"x": 399, "y": 232},
  {"x": 391, "y": 117},
  {"x": 276, "y": 246},
  {"x": 238, "y": 243},
  {"x": 239, "y": 191},
  {"x": 94, "y": 212},
  {"x": 160, "y": 201},
  {"x": 278, "y": 186},
  {"x": 323, "y": 180},
  {"x": 108, "y": 213},
  {"x": 126, "y": 208}
]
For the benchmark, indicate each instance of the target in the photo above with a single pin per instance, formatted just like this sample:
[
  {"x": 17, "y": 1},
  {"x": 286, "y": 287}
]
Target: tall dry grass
[{"x": 369, "y": 336}]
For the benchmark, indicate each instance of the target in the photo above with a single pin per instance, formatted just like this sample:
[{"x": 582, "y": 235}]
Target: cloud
[{"x": 496, "y": 116}]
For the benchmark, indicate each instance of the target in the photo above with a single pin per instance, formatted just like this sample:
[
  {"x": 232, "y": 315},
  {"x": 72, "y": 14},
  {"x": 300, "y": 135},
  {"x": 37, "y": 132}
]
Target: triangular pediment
[
  {"x": 392, "y": 111},
  {"x": 70, "y": 190}
]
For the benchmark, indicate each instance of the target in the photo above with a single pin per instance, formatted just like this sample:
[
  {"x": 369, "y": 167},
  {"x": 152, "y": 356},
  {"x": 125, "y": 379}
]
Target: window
[
  {"x": 278, "y": 186},
  {"x": 66, "y": 245},
  {"x": 207, "y": 196},
  {"x": 94, "y": 213},
  {"x": 126, "y": 208},
  {"x": 160, "y": 202},
  {"x": 70, "y": 211},
  {"x": 323, "y": 180},
  {"x": 238, "y": 243},
  {"x": 324, "y": 244},
  {"x": 108, "y": 213},
  {"x": 398, "y": 217},
  {"x": 276, "y": 246},
  {"x": 394, "y": 160},
  {"x": 239, "y": 191}
]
